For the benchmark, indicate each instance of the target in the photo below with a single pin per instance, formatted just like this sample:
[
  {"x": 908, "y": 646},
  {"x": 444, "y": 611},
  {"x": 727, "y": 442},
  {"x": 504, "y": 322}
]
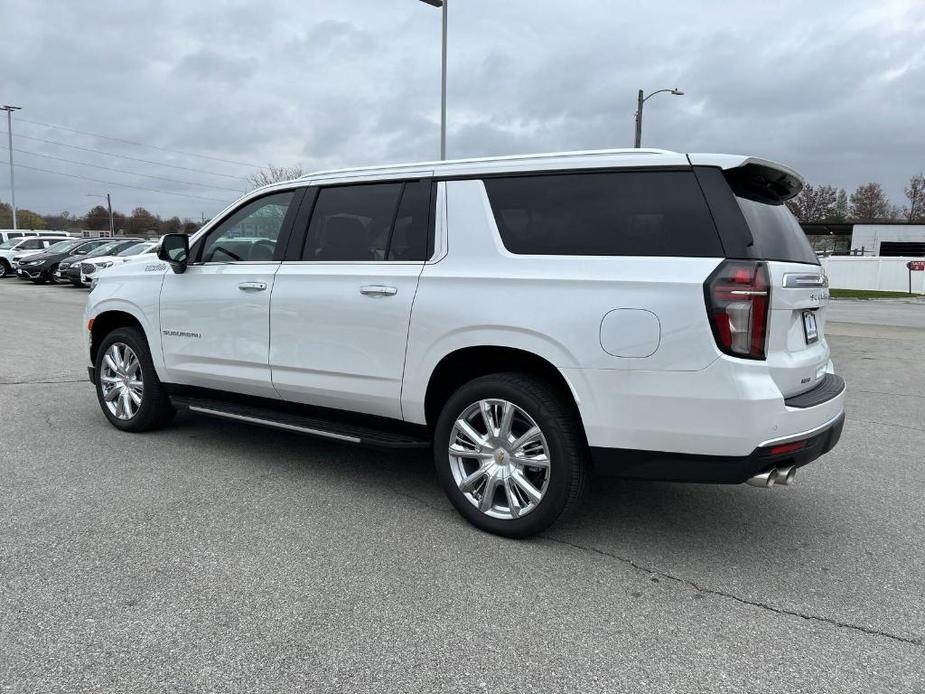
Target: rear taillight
[{"x": 738, "y": 296}]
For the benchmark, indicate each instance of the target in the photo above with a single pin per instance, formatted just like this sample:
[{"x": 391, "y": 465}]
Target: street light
[
  {"x": 442, "y": 4},
  {"x": 642, "y": 100},
  {"x": 9, "y": 132},
  {"x": 112, "y": 231}
]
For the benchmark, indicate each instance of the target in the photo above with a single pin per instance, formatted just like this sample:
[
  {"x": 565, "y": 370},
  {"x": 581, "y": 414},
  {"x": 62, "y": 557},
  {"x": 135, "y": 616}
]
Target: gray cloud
[{"x": 835, "y": 89}]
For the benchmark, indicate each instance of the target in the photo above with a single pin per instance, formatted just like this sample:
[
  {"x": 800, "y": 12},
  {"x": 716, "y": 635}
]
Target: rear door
[
  {"x": 797, "y": 353},
  {"x": 342, "y": 299}
]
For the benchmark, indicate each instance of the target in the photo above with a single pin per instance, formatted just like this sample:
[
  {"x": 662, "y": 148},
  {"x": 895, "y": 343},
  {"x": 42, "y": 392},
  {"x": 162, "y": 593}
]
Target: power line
[
  {"x": 114, "y": 183},
  {"x": 122, "y": 171},
  {"x": 125, "y": 156},
  {"x": 139, "y": 144}
]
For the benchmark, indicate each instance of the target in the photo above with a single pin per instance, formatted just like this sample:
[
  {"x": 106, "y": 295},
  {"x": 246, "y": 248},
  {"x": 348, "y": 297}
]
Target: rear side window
[
  {"x": 631, "y": 213},
  {"x": 370, "y": 222},
  {"x": 777, "y": 233}
]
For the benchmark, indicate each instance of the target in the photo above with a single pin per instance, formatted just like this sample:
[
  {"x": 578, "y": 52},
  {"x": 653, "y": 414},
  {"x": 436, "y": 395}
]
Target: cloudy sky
[{"x": 834, "y": 88}]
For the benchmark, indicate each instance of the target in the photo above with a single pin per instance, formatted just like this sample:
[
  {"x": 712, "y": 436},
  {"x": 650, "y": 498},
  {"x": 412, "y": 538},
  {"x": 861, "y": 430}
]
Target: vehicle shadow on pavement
[{"x": 664, "y": 518}]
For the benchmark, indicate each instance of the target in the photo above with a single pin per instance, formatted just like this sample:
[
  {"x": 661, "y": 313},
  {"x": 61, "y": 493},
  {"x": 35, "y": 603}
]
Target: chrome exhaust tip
[
  {"x": 785, "y": 475},
  {"x": 765, "y": 479},
  {"x": 779, "y": 475}
]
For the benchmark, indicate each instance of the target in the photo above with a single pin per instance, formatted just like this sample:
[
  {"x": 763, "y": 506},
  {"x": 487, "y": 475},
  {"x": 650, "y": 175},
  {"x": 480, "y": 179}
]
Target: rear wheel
[
  {"x": 510, "y": 454},
  {"x": 127, "y": 387}
]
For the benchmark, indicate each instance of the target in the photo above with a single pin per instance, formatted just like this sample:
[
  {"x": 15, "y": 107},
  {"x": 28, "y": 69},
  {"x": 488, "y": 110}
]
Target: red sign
[{"x": 916, "y": 265}]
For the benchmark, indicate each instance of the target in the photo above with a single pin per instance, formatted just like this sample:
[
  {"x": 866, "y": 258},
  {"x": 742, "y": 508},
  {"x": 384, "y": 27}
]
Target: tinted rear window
[
  {"x": 777, "y": 233},
  {"x": 648, "y": 213}
]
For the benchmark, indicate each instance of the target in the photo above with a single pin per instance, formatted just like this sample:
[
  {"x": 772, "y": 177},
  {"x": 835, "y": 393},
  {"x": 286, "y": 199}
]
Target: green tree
[
  {"x": 840, "y": 213},
  {"x": 97, "y": 218}
]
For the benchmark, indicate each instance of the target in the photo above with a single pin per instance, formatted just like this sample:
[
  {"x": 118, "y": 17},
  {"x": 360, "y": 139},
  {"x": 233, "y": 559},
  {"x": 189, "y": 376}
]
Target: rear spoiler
[{"x": 753, "y": 178}]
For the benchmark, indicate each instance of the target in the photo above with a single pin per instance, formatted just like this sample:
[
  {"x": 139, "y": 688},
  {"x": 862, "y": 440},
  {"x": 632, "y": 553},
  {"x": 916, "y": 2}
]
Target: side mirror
[{"x": 174, "y": 249}]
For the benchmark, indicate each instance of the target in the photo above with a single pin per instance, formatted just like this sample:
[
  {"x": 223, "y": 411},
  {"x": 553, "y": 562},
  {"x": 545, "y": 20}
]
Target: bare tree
[
  {"x": 274, "y": 174},
  {"x": 869, "y": 204},
  {"x": 915, "y": 194},
  {"x": 814, "y": 203}
]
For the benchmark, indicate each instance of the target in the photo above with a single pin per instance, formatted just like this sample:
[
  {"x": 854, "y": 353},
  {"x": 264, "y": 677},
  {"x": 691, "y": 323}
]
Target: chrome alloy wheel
[
  {"x": 121, "y": 381},
  {"x": 499, "y": 459}
]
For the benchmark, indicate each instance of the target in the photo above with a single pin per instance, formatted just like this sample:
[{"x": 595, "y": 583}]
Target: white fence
[{"x": 881, "y": 274}]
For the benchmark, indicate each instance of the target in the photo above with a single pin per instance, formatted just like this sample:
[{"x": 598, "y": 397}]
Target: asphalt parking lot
[{"x": 216, "y": 557}]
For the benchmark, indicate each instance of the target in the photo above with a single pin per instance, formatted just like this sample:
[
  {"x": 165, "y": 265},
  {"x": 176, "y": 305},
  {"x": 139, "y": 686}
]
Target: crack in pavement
[
  {"x": 753, "y": 603},
  {"x": 888, "y": 424}
]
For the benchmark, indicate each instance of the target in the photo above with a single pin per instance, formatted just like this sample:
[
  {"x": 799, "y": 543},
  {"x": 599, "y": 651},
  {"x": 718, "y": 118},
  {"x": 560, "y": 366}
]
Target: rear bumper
[{"x": 680, "y": 467}]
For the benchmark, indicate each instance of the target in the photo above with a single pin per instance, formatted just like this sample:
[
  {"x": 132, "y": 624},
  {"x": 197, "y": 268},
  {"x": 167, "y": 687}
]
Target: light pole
[
  {"x": 442, "y": 4},
  {"x": 112, "y": 231},
  {"x": 9, "y": 132},
  {"x": 642, "y": 100}
]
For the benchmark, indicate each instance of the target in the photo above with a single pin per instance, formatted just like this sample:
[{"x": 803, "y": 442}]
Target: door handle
[
  {"x": 252, "y": 286},
  {"x": 378, "y": 290}
]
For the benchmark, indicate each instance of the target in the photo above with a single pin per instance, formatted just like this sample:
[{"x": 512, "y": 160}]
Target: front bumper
[
  {"x": 29, "y": 273},
  {"x": 680, "y": 467}
]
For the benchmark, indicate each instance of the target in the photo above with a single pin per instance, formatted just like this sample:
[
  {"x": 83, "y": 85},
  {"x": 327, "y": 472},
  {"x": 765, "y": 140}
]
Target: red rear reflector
[
  {"x": 738, "y": 298},
  {"x": 787, "y": 448},
  {"x": 90, "y": 325}
]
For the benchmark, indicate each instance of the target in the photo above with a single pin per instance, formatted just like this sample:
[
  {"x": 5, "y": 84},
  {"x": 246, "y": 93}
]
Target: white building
[{"x": 897, "y": 239}]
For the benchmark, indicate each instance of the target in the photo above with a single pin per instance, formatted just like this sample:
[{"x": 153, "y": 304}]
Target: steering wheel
[{"x": 268, "y": 246}]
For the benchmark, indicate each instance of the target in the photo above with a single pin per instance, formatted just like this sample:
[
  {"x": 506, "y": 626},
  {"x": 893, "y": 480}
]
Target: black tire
[
  {"x": 155, "y": 410},
  {"x": 567, "y": 450},
  {"x": 4, "y": 268}
]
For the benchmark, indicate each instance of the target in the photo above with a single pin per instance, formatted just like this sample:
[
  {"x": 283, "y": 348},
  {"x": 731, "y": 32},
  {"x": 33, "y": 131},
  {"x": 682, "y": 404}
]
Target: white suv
[
  {"x": 18, "y": 247},
  {"x": 640, "y": 313}
]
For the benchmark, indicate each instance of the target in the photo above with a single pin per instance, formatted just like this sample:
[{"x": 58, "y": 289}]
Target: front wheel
[
  {"x": 4, "y": 268},
  {"x": 127, "y": 387},
  {"x": 510, "y": 454}
]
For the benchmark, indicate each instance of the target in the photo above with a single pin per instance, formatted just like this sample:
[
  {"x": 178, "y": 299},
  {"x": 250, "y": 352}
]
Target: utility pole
[
  {"x": 9, "y": 132},
  {"x": 642, "y": 99},
  {"x": 442, "y": 4},
  {"x": 112, "y": 227},
  {"x": 112, "y": 230},
  {"x": 442, "y": 88}
]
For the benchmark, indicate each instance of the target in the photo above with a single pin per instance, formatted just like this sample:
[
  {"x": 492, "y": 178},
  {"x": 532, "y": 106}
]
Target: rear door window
[
  {"x": 370, "y": 222},
  {"x": 626, "y": 213}
]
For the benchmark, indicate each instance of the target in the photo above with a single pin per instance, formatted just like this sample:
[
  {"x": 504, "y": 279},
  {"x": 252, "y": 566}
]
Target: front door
[
  {"x": 214, "y": 318},
  {"x": 341, "y": 307}
]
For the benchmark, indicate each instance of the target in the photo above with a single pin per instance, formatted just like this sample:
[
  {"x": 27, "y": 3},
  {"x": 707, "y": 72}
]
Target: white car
[
  {"x": 11, "y": 234},
  {"x": 640, "y": 313},
  {"x": 17, "y": 247},
  {"x": 90, "y": 268}
]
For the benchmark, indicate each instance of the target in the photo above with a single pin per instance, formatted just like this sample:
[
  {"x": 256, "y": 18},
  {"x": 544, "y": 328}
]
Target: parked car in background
[
  {"x": 91, "y": 267},
  {"x": 42, "y": 267},
  {"x": 20, "y": 247},
  {"x": 7, "y": 234},
  {"x": 69, "y": 269},
  {"x": 642, "y": 313}
]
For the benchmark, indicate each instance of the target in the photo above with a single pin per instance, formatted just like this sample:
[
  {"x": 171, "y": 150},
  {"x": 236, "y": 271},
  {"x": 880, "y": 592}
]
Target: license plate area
[{"x": 810, "y": 330}]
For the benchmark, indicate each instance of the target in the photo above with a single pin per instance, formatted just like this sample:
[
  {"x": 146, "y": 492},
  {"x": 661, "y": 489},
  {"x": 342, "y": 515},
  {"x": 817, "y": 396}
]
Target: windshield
[
  {"x": 105, "y": 249},
  {"x": 135, "y": 250},
  {"x": 9, "y": 244},
  {"x": 63, "y": 246}
]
